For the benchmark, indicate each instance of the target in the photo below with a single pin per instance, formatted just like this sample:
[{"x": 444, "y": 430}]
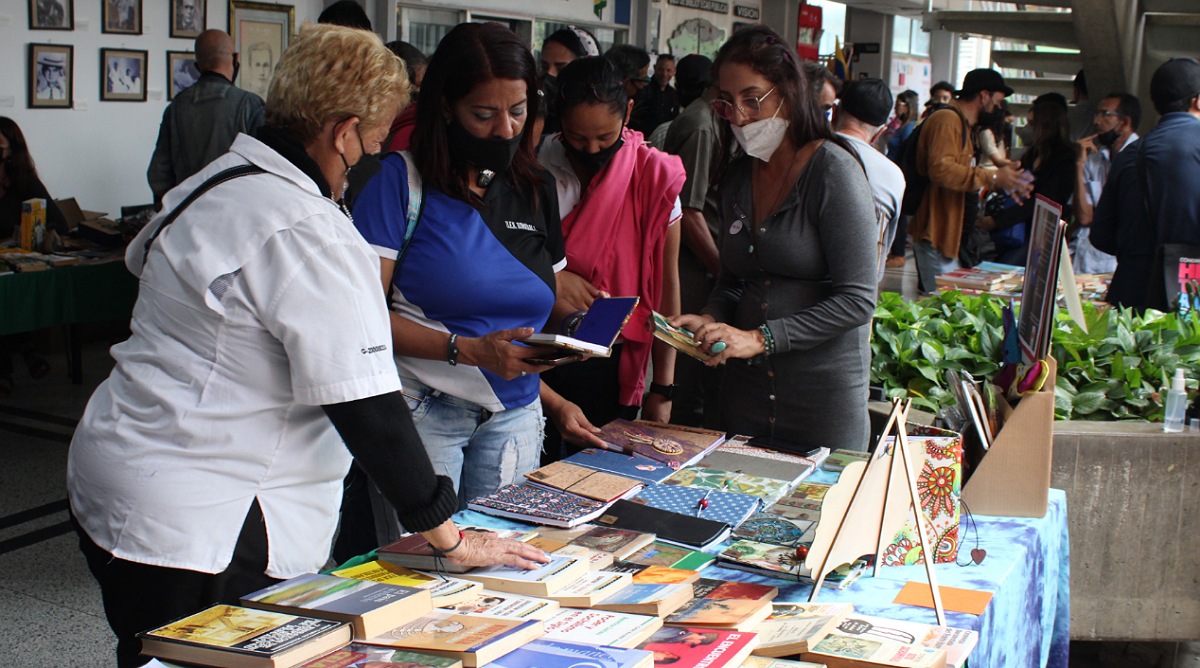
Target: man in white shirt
[
  {"x": 860, "y": 117},
  {"x": 1116, "y": 122}
]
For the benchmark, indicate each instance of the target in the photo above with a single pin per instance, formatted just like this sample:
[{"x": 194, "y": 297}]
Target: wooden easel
[{"x": 872, "y": 505}]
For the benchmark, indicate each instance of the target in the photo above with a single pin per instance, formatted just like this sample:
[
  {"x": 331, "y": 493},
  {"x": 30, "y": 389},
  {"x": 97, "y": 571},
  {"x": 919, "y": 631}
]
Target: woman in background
[
  {"x": 620, "y": 203},
  {"x": 794, "y": 300},
  {"x": 907, "y": 115},
  {"x": 558, "y": 50},
  {"x": 19, "y": 182}
]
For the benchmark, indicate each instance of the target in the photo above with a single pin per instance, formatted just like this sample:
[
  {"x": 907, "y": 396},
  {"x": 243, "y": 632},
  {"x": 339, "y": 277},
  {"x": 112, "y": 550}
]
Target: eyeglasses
[
  {"x": 575, "y": 93},
  {"x": 750, "y": 107},
  {"x": 1105, "y": 113}
]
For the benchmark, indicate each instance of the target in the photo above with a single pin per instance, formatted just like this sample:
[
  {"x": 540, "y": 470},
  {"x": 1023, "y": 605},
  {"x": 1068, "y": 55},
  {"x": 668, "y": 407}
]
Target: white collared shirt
[{"x": 257, "y": 306}]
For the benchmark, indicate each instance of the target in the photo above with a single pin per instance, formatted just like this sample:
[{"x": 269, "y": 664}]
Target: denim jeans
[
  {"x": 479, "y": 450},
  {"x": 930, "y": 263}
]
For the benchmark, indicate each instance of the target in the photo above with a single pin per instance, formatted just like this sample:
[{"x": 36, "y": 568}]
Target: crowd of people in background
[{"x": 407, "y": 224}]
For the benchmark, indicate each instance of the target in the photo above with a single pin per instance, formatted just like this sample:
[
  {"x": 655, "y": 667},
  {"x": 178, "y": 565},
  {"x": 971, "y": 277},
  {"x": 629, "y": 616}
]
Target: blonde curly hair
[{"x": 332, "y": 73}]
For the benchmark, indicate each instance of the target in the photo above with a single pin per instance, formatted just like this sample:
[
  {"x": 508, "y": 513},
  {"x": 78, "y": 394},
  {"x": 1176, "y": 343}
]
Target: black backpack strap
[{"x": 213, "y": 181}]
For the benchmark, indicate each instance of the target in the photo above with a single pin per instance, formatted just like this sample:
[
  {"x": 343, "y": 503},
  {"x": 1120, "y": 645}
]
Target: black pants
[
  {"x": 592, "y": 385},
  {"x": 139, "y": 597}
]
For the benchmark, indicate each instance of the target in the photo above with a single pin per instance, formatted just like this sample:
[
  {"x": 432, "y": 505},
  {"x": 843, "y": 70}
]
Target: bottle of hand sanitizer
[{"x": 1176, "y": 403}]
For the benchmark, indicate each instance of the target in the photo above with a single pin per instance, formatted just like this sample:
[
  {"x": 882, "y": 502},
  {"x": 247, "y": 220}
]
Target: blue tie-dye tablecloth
[{"x": 1027, "y": 569}]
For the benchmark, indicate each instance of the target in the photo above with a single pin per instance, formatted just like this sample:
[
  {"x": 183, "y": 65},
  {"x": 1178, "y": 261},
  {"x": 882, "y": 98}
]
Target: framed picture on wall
[
  {"x": 122, "y": 75},
  {"x": 260, "y": 31},
  {"x": 51, "y": 76},
  {"x": 51, "y": 14},
  {"x": 181, "y": 72},
  {"x": 122, "y": 17},
  {"x": 188, "y": 17}
]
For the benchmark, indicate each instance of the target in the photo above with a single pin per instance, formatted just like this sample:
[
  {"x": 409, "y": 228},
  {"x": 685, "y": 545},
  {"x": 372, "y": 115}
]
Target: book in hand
[
  {"x": 644, "y": 574},
  {"x": 583, "y": 481},
  {"x": 538, "y": 505},
  {"x": 542, "y": 581},
  {"x": 733, "y": 614},
  {"x": 601, "y": 627},
  {"x": 698, "y": 532},
  {"x": 369, "y": 607},
  {"x": 231, "y": 635},
  {"x": 728, "y": 507},
  {"x": 648, "y": 471},
  {"x": 957, "y": 643},
  {"x": 544, "y": 653},
  {"x": 473, "y": 640},
  {"x": 658, "y": 600},
  {"x": 675, "y": 445},
  {"x": 593, "y": 587},
  {"x": 672, "y": 556},
  {"x": 506, "y": 606},
  {"x": 594, "y": 335},
  {"x": 445, "y": 591},
  {"x": 793, "y": 628},
  {"x": 678, "y": 338},
  {"x": 695, "y": 647},
  {"x": 360, "y": 655}
]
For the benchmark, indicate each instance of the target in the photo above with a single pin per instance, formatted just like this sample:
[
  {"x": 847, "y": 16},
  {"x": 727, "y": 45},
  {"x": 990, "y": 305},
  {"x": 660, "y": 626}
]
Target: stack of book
[{"x": 977, "y": 278}]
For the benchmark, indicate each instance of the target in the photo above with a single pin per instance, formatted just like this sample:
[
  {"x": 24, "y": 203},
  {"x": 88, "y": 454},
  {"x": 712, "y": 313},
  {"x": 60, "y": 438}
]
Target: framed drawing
[
  {"x": 188, "y": 17},
  {"x": 122, "y": 17},
  {"x": 122, "y": 75},
  {"x": 51, "y": 14},
  {"x": 181, "y": 72},
  {"x": 260, "y": 31},
  {"x": 51, "y": 77}
]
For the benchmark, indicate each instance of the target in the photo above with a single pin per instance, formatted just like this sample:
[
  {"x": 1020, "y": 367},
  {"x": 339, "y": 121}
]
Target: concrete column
[
  {"x": 865, "y": 26},
  {"x": 781, "y": 15},
  {"x": 943, "y": 58}
]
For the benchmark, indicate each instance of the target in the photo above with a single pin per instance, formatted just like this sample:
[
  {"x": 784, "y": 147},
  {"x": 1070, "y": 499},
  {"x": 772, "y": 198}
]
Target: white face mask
[{"x": 761, "y": 138}]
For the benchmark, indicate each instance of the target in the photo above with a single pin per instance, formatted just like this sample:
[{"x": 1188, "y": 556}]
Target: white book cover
[
  {"x": 506, "y": 606},
  {"x": 597, "y": 627}
]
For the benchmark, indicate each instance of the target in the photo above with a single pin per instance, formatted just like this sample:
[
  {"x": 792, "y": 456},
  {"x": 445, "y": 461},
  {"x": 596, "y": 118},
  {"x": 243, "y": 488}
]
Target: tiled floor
[{"x": 50, "y": 611}]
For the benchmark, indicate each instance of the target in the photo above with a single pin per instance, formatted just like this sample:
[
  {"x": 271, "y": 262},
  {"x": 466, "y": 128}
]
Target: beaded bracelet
[{"x": 768, "y": 339}]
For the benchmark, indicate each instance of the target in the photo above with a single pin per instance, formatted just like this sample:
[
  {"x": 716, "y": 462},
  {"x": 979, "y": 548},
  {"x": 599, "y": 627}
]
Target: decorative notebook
[
  {"x": 727, "y": 507},
  {"x": 676, "y": 446},
  {"x": 538, "y": 505}
]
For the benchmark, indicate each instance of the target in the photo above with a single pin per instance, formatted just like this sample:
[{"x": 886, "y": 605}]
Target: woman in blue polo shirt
[{"x": 479, "y": 269}]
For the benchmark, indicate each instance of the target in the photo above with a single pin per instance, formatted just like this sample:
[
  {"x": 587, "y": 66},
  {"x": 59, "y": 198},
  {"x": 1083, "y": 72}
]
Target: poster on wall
[
  {"x": 260, "y": 31},
  {"x": 910, "y": 74},
  {"x": 51, "y": 76},
  {"x": 51, "y": 14},
  {"x": 122, "y": 75}
]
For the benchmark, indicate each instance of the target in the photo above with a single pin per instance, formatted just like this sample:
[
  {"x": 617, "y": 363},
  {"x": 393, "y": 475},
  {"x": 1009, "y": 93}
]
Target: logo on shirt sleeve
[
  {"x": 514, "y": 225},
  {"x": 374, "y": 349}
]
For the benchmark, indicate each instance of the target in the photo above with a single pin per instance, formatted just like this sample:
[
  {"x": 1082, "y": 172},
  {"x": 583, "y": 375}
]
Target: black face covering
[
  {"x": 550, "y": 87},
  {"x": 493, "y": 154},
  {"x": 594, "y": 162},
  {"x": 1107, "y": 139},
  {"x": 989, "y": 119}
]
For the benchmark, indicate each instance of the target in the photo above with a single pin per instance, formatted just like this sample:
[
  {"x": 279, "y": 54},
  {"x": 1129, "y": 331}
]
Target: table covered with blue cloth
[{"x": 1027, "y": 569}]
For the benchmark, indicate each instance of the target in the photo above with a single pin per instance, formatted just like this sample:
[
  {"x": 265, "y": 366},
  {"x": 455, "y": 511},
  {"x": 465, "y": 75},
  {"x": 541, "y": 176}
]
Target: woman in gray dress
[{"x": 792, "y": 306}]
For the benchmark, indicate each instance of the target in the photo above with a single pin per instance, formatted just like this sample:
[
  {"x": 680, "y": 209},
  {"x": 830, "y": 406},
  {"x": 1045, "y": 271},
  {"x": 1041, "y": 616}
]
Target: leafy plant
[{"x": 1117, "y": 369}]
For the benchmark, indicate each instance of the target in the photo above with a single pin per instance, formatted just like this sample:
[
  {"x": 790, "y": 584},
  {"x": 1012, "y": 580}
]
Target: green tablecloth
[{"x": 66, "y": 296}]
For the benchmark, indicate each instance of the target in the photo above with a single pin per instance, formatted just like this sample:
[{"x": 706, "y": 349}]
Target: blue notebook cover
[
  {"x": 727, "y": 507},
  {"x": 630, "y": 466},
  {"x": 544, "y": 653}
]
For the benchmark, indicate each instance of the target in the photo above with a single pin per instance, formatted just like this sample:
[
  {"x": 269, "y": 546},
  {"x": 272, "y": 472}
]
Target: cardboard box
[
  {"x": 1013, "y": 478},
  {"x": 75, "y": 215}
]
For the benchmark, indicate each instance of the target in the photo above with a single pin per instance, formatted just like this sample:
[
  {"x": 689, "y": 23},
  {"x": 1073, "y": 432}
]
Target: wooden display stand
[
  {"x": 1013, "y": 478},
  {"x": 869, "y": 504}
]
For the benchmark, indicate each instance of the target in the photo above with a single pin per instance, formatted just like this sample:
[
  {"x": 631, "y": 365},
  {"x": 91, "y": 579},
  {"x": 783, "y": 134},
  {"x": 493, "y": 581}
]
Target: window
[{"x": 425, "y": 28}]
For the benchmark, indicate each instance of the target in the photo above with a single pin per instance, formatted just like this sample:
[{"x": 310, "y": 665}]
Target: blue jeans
[
  {"x": 931, "y": 263},
  {"x": 479, "y": 450}
]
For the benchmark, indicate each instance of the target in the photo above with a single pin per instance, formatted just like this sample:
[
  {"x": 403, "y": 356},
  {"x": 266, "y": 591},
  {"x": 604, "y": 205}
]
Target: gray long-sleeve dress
[{"x": 808, "y": 271}]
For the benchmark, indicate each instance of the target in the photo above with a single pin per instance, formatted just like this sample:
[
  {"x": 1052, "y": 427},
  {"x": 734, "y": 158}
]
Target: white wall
[{"x": 98, "y": 151}]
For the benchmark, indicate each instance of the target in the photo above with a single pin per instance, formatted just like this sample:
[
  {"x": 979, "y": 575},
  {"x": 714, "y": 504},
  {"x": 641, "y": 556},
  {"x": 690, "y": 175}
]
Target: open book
[{"x": 595, "y": 334}]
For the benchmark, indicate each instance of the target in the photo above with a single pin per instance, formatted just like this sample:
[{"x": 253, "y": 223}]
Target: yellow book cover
[{"x": 33, "y": 224}]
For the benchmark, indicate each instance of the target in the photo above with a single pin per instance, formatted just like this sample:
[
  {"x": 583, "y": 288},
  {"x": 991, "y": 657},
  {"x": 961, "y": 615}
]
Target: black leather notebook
[{"x": 677, "y": 528}]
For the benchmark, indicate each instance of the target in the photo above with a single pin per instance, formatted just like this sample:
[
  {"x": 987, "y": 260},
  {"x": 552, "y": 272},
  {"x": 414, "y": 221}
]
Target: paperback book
[
  {"x": 413, "y": 551},
  {"x": 767, "y": 662},
  {"x": 595, "y": 334},
  {"x": 445, "y": 591},
  {"x": 678, "y": 338},
  {"x": 647, "y": 470},
  {"x": 842, "y": 651},
  {"x": 597, "y": 560},
  {"x": 369, "y": 607},
  {"x": 601, "y": 627},
  {"x": 583, "y": 481},
  {"x": 733, "y": 614},
  {"x": 658, "y": 600},
  {"x": 793, "y": 628},
  {"x": 538, "y": 505},
  {"x": 506, "y": 606},
  {"x": 544, "y": 653},
  {"x": 472, "y": 639},
  {"x": 643, "y": 574},
  {"x": 542, "y": 581},
  {"x": 360, "y": 655},
  {"x": 725, "y": 507},
  {"x": 618, "y": 542},
  {"x": 782, "y": 562},
  {"x": 592, "y": 588},
  {"x": 712, "y": 588},
  {"x": 700, "y": 648},
  {"x": 674, "y": 445},
  {"x": 230, "y": 634},
  {"x": 672, "y": 556},
  {"x": 957, "y": 643}
]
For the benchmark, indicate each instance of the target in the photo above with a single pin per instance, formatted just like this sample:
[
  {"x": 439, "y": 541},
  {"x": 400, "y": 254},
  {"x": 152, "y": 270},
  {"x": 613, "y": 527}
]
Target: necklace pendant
[{"x": 485, "y": 178}]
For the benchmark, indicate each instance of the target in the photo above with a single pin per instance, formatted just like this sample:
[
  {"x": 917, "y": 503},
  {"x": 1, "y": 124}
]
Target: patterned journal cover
[
  {"x": 538, "y": 505},
  {"x": 939, "y": 484},
  {"x": 727, "y": 507},
  {"x": 766, "y": 489},
  {"x": 631, "y": 466},
  {"x": 675, "y": 446}
]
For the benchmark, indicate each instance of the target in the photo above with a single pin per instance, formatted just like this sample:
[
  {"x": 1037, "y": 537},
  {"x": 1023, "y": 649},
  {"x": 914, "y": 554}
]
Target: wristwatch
[{"x": 667, "y": 391}]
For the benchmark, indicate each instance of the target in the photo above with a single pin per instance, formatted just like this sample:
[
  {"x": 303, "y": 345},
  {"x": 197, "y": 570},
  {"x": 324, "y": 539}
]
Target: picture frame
[
  {"x": 51, "y": 14},
  {"x": 188, "y": 18},
  {"x": 121, "y": 17},
  {"x": 181, "y": 72},
  {"x": 261, "y": 32},
  {"x": 51, "y": 76},
  {"x": 123, "y": 75}
]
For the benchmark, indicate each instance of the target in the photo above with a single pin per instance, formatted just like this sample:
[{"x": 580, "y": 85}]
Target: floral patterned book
[{"x": 777, "y": 530}]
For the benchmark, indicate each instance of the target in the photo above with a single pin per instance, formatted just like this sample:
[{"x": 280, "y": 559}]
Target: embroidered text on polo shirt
[{"x": 514, "y": 225}]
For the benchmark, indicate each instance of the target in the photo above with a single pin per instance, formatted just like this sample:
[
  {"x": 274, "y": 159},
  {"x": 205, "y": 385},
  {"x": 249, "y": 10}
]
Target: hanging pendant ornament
[{"x": 485, "y": 178}]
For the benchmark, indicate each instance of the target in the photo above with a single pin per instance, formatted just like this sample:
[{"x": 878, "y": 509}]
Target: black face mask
[
  {"x": 550, "y": 87},
  {"x": 493, "y": 154},
  {"x": 1107, "y": 139},
  {"x": 988, "y": 119},
  {"x": 237, "y": 66},
  {"x": 594, "y": 162}
]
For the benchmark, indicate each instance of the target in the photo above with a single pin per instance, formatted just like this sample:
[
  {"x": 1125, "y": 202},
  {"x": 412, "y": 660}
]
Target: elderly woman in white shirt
[{"x": 210, "y": 463}]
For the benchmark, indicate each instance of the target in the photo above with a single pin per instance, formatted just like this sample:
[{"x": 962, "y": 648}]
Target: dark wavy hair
[
  {"x": 469, "y": 55},
  {"x": 18, "y": 168},
  {"x": 568, "y": 38},
  {"x": 591, "y": 80},
  {"x": 769, "y": 55}
]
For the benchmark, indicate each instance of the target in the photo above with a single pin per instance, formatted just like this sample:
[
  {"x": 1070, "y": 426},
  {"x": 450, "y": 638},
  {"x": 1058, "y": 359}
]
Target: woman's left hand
[
  {"x": 576, "y": 291},
  {"x": 574, "y": 426},
  {"x": 739, "y": 343},
  {"x": 656, "y": 408}
]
